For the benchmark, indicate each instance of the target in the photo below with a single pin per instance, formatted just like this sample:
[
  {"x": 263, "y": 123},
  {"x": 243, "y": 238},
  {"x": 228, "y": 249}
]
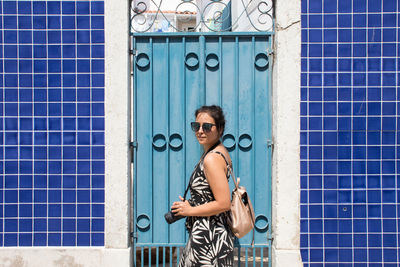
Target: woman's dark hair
[{"x": 216, "y": 113}]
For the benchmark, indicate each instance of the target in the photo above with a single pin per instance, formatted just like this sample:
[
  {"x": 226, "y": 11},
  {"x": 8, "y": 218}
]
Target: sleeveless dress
[{"x": 211, "y": 240}]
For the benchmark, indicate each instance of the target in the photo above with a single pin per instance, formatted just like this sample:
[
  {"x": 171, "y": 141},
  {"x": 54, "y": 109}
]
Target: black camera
[{"x": 170, "y": 217}]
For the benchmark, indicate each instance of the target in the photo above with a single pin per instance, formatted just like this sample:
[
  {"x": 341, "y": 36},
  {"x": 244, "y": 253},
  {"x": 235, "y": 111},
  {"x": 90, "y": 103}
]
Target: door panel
[{"x": 173, "y": 76}]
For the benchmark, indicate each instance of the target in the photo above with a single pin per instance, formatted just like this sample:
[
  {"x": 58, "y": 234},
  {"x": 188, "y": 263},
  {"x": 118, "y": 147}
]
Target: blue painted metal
[{"x": 174, "y": 75}]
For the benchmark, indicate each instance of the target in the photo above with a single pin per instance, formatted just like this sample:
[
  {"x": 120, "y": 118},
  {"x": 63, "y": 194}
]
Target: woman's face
[{"x": 206, "y": 138}]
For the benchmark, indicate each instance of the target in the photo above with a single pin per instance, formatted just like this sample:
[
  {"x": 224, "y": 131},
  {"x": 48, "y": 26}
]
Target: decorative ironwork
[{"x": 201, "y": 15}]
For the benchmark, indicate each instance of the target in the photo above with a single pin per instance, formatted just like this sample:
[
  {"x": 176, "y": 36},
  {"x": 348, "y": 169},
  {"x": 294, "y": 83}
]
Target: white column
[
  {"x": 117, "y": 133},
  {"x": 286, "y": 133}
]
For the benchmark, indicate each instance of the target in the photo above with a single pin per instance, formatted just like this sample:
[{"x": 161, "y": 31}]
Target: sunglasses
[{"x": 206, "y": 126}]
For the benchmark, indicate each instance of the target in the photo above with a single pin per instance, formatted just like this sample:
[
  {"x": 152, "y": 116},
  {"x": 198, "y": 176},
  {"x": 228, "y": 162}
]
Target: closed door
[{"x": 174, "y": 74}]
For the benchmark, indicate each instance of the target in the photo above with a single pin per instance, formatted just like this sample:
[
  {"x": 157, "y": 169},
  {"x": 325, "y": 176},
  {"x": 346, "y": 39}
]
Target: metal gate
[{"x": 174, "y": 74}]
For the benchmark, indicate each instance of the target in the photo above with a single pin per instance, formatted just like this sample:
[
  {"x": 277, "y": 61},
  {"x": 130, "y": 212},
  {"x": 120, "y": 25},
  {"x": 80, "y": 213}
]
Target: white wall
[{"x": 286, "y": 134}]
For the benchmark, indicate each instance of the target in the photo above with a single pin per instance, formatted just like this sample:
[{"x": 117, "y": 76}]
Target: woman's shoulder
[{"x": 218, "y": 155}]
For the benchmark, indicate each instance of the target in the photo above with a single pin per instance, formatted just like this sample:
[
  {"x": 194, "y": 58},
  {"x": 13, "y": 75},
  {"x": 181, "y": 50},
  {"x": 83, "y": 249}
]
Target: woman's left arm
[{"x": 214, "y": 170}]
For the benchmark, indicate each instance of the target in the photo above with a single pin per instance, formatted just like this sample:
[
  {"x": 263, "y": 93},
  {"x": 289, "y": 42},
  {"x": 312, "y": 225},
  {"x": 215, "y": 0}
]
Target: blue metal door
[{"x": 174, "y": 74}]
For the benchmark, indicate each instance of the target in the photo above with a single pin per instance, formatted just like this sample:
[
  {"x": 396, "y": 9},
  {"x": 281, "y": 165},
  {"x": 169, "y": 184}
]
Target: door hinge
[
  {"x": 133, "y": 52},
  {"x": 270, "y": 143},
  {"x": 270, "y": 51},
  {"x": 132, "y": 146},
  {"x": 270, "y": 236},
  {"x": 134, "y": 235}
]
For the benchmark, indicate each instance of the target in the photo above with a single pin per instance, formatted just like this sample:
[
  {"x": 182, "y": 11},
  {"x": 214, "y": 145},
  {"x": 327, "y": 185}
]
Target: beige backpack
[{"x": 241, "y": 219}]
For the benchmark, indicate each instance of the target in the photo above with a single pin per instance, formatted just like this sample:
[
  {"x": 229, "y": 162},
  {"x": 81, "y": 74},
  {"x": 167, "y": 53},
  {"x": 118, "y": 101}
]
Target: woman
[{"x": 211, "y": 240}]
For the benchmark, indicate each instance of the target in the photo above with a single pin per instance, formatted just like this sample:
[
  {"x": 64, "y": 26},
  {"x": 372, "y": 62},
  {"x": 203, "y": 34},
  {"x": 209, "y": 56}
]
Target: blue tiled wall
[
  {"x": 52, "y": 123},
  {"x": 349, "y": 133}
]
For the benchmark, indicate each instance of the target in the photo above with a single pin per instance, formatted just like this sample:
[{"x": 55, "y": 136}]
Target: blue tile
[
  {"x": 97, "y": 51},
  {"x": 83, "y": 225},
  {"x": 68, "y": 22},
  {"x": 69, "y": 210},
  {"x": 360, "y": 255},
  {"x": 25, "y": 225},
  {"x": 39, "y": 37},
  {"x": 83, "y": 167},
  {"x": 68, "y": 7},
  {"x": 83, "y": 181},
  {"x": 375, "y": 255},
  {"x": 345, "y": 255},
  {"x": 304, "y": 256},
  {"x": 315, "y": 211},
  {"x": 69, "y": 167},
  {"x": 374, "y": 210},
  {"x": 68, "y": 36},
  {"x": 98, "y": 210},
  {"x": 83, "y": 210},
  {"x": 9, "y": 22},
  {"x": 83, "y": 51},
  {"x": 40, "y": 210},
  {"x": 316, "y": 255},
  {"x": 54, "y": 182},
  {"x": 25, "y": 37},
  {"x": 54, "y": 51},
  {"x": 97, "y": 225},
  {"x": 389, "y": 240},
  {"x": 39, "y": 239},
  {"x": 54, "y": 239},
  {"x": 83, "y": 138},
  {"x": 316, "y": 240},
  {"x": 98, "y": 138},
  {"x": 330, "y": 196},
  {"x": 40, "y": 196},
  {"x": 39, "y": 7},
  {"x": 54, "y": 37},
  {"x": 97, "y": 36},
  {"x": 55, "y": 195},
  {"x": 69, "y": 225},
  {"x": 10, "y": 225},
  {"x": 97, "y": 7},
  {"x": 97, "y": 181},
  {"x": 390, "y": 255},
  {"x": 69, "y": 109},
  {"x": 69, "y": 95},
  {"x": 374, "y": 20},
  {"x": 54, "y": 226},
  {"x": 10, "y": 7},
  {"x": 389, "y": 6},
  {"x": 54, "y": 210},
  {"x": 97, "y": 22},
  {"x": 97, "y": 239},
  {"x": 83, "y": 7},
  {"x": 39, "y": 22},
  {"x": 83, "y": 22},
  {"x": 10, "y": 240},
  {"x": 53, "y": 7},
  {"x": 69, "y": 196},
  {"x": 69, "y": 239}
]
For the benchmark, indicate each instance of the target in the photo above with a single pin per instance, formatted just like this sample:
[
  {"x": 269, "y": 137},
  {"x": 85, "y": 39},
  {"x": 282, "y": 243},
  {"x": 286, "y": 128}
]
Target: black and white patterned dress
[{"x": 210, "y": 238}]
